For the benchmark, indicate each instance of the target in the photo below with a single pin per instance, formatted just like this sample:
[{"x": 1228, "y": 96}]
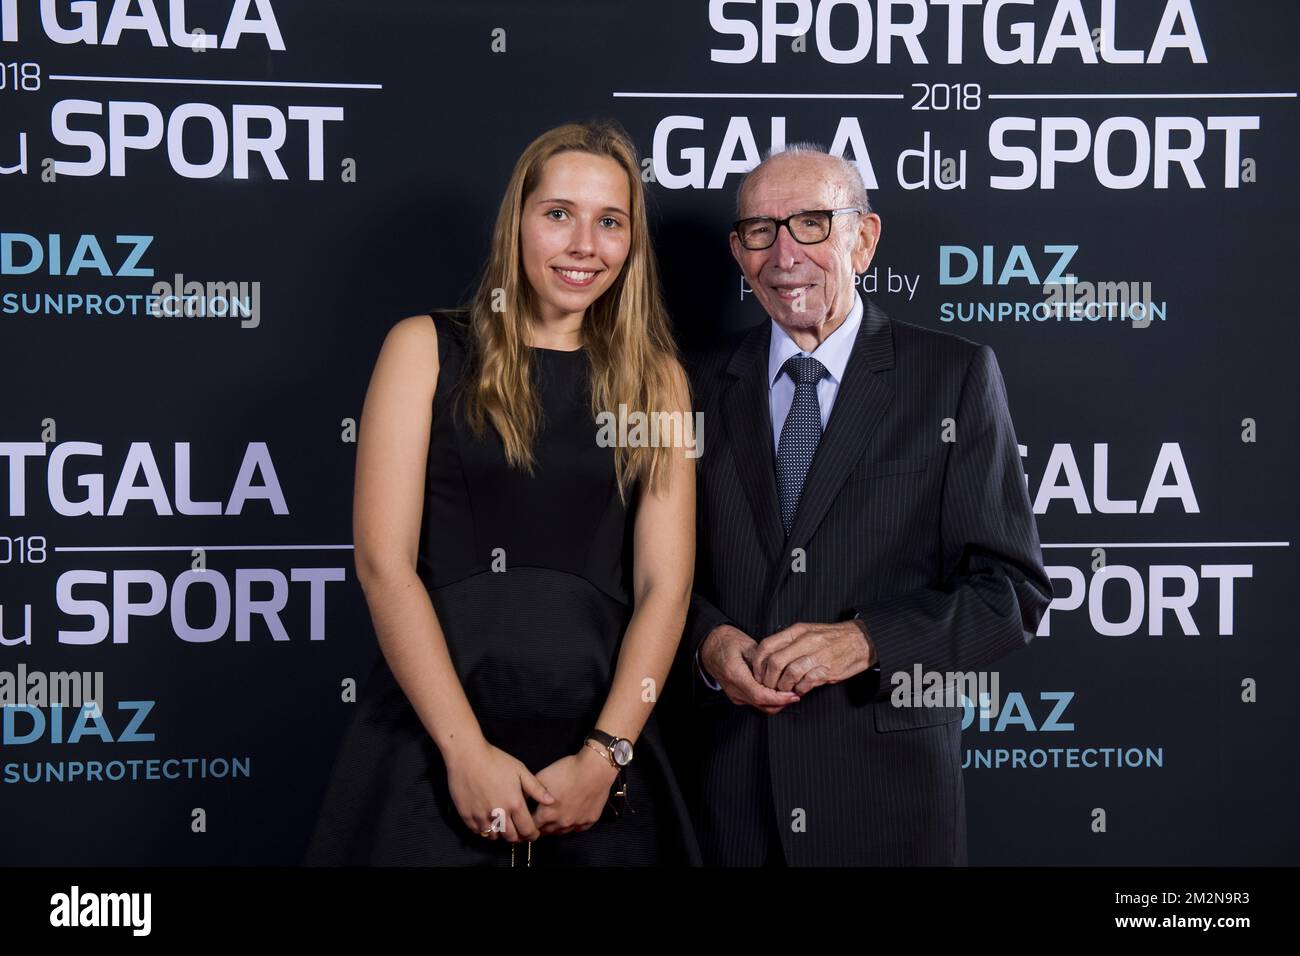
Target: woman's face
[{"x": 575, "y": 232}]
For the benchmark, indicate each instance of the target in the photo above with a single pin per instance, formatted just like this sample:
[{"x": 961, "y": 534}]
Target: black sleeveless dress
[{"x": 530, "y": 579}]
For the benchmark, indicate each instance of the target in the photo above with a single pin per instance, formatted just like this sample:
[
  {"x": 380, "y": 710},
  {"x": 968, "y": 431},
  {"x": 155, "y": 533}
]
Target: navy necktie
[{"x": 800, "y": 434}]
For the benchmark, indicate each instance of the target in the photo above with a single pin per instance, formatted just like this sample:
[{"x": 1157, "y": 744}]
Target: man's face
[{"x": 804, "y": 286}]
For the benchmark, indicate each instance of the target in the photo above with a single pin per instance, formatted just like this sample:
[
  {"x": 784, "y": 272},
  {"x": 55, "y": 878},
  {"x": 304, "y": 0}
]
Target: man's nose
[{"x": 787, "y": 249}]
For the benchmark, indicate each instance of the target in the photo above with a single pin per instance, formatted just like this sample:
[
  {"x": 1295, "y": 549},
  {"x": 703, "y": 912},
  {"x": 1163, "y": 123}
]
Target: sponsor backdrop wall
[{"x": 1104, "y": 192}]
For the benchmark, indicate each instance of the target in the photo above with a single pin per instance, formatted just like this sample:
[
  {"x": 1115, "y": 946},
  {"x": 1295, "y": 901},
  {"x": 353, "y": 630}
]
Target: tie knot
[{"x": 804, "y": 369}]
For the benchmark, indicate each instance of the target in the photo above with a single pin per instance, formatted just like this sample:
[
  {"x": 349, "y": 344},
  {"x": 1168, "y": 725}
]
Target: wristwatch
[{"x": 619, "y": 748}]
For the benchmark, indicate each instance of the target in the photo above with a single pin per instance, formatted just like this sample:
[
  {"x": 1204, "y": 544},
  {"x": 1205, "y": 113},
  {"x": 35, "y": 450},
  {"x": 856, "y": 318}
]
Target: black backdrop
[{"x": 410, "y": 159}]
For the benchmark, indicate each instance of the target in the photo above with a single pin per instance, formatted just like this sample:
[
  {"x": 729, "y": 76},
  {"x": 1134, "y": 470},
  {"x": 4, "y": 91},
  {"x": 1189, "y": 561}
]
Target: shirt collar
[{"x": 833, "y": 352}]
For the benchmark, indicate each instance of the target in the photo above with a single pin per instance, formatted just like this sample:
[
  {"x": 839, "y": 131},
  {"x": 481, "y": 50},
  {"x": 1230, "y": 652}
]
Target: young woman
[{"x": 528, "y": 583}]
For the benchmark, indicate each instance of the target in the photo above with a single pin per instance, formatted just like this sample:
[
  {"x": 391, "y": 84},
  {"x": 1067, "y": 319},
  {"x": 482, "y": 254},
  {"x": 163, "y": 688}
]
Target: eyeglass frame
[{"x": 778, "y": 223}]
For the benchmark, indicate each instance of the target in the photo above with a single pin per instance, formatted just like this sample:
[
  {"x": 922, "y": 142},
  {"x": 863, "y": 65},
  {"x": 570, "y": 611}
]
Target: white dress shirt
[{"x": 833, "y": 353}]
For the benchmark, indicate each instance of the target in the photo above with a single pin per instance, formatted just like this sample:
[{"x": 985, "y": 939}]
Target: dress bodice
[{"x": 481, "y": 514}]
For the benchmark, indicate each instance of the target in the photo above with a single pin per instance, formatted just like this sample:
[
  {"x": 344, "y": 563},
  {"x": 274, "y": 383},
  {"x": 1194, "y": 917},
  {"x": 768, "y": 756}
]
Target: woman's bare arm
[
  {"x": 387, "y": 506},
  {"x": 663, "y": 569}
]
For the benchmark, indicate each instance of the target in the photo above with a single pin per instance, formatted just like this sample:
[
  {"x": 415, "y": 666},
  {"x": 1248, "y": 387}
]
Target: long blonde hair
[{"x": 633, "y": 357}]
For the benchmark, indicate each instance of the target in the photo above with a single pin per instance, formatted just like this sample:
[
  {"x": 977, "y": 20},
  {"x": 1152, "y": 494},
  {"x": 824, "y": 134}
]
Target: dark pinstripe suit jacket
[{"x": 933, "y": 542}]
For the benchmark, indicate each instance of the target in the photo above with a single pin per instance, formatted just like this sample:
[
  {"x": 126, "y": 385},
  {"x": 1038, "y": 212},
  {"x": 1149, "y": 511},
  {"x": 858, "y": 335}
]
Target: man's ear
[
  {"x": 734, "y": 241},
  {"x": 868, "y": 237}
]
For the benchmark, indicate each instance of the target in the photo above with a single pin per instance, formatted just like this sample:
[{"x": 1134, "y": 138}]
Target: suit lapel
[
  {"x": 748, "y": 418},
  {"x": 861, "y": 401}
]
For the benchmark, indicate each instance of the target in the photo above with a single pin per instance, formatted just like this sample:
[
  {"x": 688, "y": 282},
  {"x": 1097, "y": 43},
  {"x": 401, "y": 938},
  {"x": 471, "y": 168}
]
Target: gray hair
[{"x": 849, "y": 174}]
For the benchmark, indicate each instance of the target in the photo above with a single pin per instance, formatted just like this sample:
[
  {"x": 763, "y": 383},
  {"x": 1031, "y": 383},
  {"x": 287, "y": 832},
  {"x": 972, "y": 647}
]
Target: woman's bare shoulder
[
  {"x": 408, "y": 358},
  {"x": 415, "y": 327}
]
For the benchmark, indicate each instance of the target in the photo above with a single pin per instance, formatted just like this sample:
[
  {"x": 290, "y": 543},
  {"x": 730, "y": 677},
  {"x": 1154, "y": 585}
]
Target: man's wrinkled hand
[
  {"x": 727, "y": 654},
  {"x": 804, "y": 656}
]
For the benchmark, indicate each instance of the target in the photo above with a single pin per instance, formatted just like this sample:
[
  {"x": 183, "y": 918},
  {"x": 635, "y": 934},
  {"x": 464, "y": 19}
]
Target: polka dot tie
[{"x": 800, "y": 434}]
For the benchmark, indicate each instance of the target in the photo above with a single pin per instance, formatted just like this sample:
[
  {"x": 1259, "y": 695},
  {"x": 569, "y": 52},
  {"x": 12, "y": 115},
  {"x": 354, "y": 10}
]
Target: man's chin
[{"x": 794, "y": 316}]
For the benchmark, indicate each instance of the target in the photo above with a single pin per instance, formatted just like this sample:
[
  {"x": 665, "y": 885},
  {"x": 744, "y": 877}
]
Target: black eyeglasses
[{"x": 808, "y": 227}]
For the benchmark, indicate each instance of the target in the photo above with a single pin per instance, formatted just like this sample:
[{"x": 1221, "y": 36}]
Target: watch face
[{"x": 622, "y": 752}]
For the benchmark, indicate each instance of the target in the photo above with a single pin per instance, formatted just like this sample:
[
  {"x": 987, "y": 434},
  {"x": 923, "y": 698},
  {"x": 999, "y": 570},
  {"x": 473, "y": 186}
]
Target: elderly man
[{"x": 862, "y": 509}]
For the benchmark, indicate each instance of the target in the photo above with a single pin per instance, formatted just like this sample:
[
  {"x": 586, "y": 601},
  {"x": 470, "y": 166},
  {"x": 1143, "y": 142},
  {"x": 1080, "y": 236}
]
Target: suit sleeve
[
  {"x": 994, "y": 589},
  {"x": 702, "y": 616}
]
